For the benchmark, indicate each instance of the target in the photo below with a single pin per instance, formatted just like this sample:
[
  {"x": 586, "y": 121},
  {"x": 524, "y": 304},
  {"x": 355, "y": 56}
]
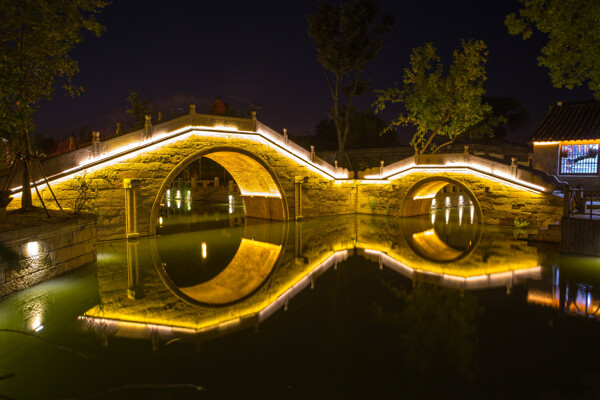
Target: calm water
[{"x": 344, "y": 307}]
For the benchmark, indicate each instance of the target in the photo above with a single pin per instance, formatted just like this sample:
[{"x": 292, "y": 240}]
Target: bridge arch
[
  {"x": 420, "y": 195},
  {"x": 261, "y": 191}
]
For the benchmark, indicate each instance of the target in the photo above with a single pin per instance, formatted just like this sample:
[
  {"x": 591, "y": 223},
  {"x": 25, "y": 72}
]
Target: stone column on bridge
[
  {"x": 96, "y": 143},
  {"x": 299, "y": 180},
  {"x": 253, "y": 117},
  {"x": 131, "y": 186},
  {"x": 148, "y": 127}
]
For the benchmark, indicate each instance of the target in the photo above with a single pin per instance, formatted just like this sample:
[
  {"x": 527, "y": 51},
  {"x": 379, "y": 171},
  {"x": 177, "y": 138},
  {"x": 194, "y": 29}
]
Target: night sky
[{"x": 258, "y": 55}]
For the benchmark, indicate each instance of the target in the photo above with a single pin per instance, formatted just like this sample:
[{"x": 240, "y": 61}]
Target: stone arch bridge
[{"x": 124, "y": 178}]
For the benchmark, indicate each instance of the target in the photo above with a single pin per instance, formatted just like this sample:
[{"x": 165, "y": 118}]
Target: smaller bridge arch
[
  {"x": 261, "y": 191},
  {"x": 419, "y": 197}
]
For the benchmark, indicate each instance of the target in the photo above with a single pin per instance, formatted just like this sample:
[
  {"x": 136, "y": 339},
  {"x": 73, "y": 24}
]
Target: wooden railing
[{"x": 580, "y": 202}]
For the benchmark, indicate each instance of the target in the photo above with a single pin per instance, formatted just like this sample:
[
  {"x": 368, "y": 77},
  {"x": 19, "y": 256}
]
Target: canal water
[{"x": 223, "y": 306}]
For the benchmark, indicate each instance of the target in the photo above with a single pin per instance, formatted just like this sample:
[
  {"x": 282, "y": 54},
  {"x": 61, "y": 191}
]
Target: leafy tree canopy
[
  {"x": 507, "y": 114},
  {"x": 347, "y": 38},
  {"x": 365, "y": 128},
  {"x": 572, "y": 53},
  {"x": 440, "y": 105},
  {"x": 35, "y": 39}
]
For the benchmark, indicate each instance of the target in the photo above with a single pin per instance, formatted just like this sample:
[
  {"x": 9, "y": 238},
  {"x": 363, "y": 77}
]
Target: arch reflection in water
[
  {"x": 442, "y": 240},
  {"x": 218, "y": 266}
]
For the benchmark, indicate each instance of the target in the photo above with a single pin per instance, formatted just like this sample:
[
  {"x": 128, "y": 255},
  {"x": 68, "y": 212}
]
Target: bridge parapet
[
  {"x": 211, "y": 125},
  {"x": 459, "y": 161}
]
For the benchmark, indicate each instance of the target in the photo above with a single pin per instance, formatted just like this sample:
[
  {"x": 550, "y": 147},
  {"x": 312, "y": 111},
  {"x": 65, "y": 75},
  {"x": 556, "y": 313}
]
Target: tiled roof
[{"x": 578, "y": 120}]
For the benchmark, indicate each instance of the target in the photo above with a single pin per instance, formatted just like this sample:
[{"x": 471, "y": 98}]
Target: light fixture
[{"x": 33, "y": 249}]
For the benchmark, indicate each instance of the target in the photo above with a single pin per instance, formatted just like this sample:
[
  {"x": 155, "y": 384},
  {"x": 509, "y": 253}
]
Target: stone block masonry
[{"x": 44, "y": 248}]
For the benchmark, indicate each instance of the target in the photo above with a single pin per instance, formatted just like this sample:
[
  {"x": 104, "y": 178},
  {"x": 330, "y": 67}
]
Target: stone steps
[{"x": 550, "y": 233}]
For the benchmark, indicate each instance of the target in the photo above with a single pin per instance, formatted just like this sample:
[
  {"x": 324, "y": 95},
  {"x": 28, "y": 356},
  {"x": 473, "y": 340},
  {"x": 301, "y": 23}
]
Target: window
[{"x": 579, "y": 159}]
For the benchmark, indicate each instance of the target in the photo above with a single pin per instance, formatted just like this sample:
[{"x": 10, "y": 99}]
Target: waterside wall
[{"x": 44, "y": 250}]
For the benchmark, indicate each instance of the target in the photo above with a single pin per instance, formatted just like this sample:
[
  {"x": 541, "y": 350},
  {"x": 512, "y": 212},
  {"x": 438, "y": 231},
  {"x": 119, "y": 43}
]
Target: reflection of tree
[{"x": 436, "y": 328}]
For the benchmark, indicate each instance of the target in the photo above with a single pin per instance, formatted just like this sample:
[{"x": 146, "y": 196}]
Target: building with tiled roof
[{"x": 566, "y": 143}]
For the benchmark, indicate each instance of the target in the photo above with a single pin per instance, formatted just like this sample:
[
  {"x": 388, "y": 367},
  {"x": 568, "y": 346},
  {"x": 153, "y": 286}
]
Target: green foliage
[
  {"x": 372, "y": 202},
  {"x": 85, "y": 193},
  {"x": 364, "y": 132},
  {"x": 520, "y": 223},
  {"x": 572, "y": 53},
  {"x": 507, "y": 114},
  {"x": 35, "y": 39},
  {"x": 440, "y": 106},
  {"x": 347, "y": 38},
  {"x": 139, "y": 108}
]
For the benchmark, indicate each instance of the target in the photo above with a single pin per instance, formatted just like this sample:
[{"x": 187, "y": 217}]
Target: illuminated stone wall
[
  {"x": 500, "y": 204},
  {"x": 102, "y": 192},
  {"x": 46, "y": 249}
]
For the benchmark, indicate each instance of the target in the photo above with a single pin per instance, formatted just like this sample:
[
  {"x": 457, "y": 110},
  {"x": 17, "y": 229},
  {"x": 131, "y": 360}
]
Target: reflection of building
[
  {"x": 571, "y": 296},
  {"x": 566, "y": 142}
]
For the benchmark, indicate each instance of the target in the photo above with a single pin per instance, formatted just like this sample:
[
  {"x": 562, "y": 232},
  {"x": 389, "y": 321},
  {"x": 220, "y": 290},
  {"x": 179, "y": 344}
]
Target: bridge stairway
[{"x": 548, "y": 234}]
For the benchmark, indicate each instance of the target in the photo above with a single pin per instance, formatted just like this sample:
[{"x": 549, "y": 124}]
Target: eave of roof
[{"x": 570, "y": 121}]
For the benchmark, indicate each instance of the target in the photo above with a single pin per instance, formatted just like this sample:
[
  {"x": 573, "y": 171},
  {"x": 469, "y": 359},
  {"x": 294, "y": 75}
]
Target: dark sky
[{"x": 257, "y": 54}]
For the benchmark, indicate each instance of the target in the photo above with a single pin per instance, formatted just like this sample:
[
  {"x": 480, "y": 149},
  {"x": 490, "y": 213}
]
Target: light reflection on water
[{"x": 214, "y": 272}]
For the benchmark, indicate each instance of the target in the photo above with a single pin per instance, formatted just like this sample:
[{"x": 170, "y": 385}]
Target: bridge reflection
[{"x": 180, "y": 295}]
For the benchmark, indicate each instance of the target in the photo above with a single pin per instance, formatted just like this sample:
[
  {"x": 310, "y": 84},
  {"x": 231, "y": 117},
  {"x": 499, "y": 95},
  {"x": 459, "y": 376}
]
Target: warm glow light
[
  {"x": 203, "y": 250},
  {"x": 35, "y": 323},
  {"x": 447, "y": 202},
  {"x": 432, "y": 217},
  {"x": 33, "y": 249},
  {"x": 447, "y": 215},
  {"x": 160, "y": 140},
  {"x": 544, "y": 143},
  {"x": 160, "y": 220},
  {"x": 476, "y": 169},
  {"x": 260, "y": 194},
  {"x": 178, "y": 203},
  {"x": 427, "y": 196}
]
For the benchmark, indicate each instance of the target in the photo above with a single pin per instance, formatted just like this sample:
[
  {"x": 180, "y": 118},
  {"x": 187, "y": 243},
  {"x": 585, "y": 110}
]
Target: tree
[
  {"x": 507, "y": 114},
  {"x": 35, "y": 39},
  {"x": 139, "y": 108},
  {"x": 365, "y": 129},
  {"x": 440, "y": 106},
  {"x": 572, "y": 53},
  {"x": 347, "y": 38}
]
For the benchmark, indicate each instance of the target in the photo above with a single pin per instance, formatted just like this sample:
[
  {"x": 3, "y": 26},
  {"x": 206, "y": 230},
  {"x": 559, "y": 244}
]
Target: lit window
[{"x": 579, "y": 159}]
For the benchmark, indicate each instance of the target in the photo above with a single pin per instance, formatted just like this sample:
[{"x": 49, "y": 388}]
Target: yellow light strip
[
  {"x": 427, "y": 196},
  {"x": 495, "y": 276},
  {"x": 161, "y": 140},
  {"x": 544, "y": 143},
  {"x": 493, "y": 176},
  {"x": 390, "y": 174}
]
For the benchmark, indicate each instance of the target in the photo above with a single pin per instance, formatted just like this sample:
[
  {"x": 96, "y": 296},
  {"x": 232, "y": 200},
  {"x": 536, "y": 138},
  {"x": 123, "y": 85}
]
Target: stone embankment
[{"x": 37, "y": 248}]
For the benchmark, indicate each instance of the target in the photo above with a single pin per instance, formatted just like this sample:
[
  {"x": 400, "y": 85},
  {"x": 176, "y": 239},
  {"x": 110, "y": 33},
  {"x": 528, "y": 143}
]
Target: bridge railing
[
  {"x": 581, "y": 202},
  {"x": 459, "y": 160},
  {"x": 295, "y": 148}
]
